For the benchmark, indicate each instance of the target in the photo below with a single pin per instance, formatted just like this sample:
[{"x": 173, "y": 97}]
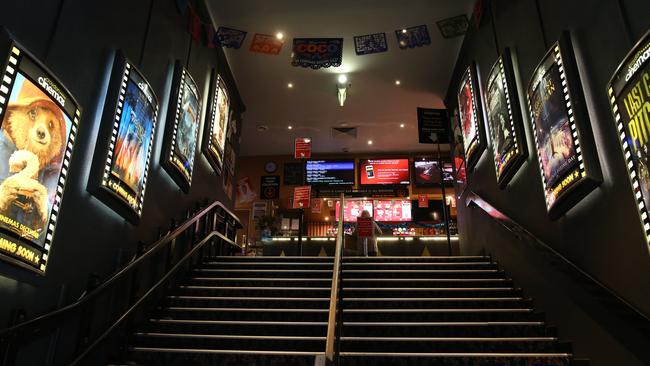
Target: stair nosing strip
[
  {"x": 253, "y": 288},
  {"x": 261, "y": 310},
  {"x": 248, "y": 298},
  {"x": 228, "y": 322},
  {"x": 428, "y": 279},
  {"x": 504, "y": 323},
  {"x": 216, "y": 351},
  {"x": 455, "y": 310},
  {"x": 458, "y": 355},
  {"x": 434, "y": 299},
  {"x": 429, "y": 288},
  {"x": 227, "y": 336},
  {"x": 453, "y": 339}
]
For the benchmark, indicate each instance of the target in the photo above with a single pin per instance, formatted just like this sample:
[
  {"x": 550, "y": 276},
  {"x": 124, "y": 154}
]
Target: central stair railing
[{"x": 334, "y": 322}]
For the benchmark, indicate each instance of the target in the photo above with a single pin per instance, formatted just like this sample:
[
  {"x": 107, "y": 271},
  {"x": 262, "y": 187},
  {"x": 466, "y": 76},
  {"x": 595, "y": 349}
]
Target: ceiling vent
[{"x": 344, "y": 133}]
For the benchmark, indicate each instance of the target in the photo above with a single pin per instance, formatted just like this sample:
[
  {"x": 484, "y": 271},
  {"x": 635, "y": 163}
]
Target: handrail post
[{"x": 331, "y": 351}]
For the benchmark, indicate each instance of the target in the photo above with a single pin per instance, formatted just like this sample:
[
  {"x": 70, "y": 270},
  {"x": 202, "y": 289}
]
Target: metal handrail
[
  {"x": 45, "y": 321},
  {"x": 622, "y": 306},
  {"x": 144, "y": 297},
  {"x": 330, "y": 351}
]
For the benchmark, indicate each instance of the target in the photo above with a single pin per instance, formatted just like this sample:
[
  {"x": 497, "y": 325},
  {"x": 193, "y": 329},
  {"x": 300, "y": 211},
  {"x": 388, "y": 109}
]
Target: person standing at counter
[{"x": 368, "y": 245}]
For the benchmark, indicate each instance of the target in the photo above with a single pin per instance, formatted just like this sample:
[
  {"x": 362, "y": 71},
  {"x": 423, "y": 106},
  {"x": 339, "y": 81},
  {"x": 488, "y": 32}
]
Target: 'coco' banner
[{"x": 317, "y": 52}]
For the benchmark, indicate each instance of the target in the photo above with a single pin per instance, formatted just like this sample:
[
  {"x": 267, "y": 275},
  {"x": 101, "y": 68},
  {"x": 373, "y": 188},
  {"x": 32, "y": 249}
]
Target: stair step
[
  {"x": 216, "y": 356},
  {"x": 427, "y": 282},
  {"x": 378, "y": 315},
  {"x": 384, "y": 259},
  {"x": 436, "y": 302},
  {"x": 449, "y": 344},
  {"x": 422, "y": 273},
  {"x": 387, "y": 292},
  {"x": 224, "y": 341},
  {"x": 249, "y": 301},
  {"x": 446, "y": 329},
  {"x": 239, "y": 327},
  {"x": 253, "y": 314}
]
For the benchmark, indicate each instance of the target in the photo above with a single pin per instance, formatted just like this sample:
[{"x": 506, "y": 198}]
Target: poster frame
[
  {"x": 474, "y": 152},
  {"x": 215, "y": 156}
]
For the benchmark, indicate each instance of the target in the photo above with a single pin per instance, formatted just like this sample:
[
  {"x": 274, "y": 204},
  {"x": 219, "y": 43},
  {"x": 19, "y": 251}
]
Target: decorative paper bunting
[
  {"x": 317, "y": 52},
  {"x": 453, "y": 27},
  {"x": 229, "y": 37},
  {"x": 413, "y": 37},
  {"x": 370, "y": 43},
  {"x": 264, "y": 43}
]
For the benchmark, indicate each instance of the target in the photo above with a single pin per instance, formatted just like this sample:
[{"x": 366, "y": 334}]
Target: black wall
[
  {"x": 602, "y": 234},
  {"x": 77, "y": 40}
]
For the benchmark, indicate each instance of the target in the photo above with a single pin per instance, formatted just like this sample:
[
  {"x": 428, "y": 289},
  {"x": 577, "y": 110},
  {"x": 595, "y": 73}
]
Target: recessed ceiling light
[
  {"x": 403, "y": 30},
  {"x": 401, "y": 125},
  {"x": 397, "y": 82},
  {"x": 343, "y": 78},
  {"x": 290, "y": 127},
  {"x": 369, "y": 142},
  {"x": 279, "y": 35},
  {"x": 290, "y": 85}
]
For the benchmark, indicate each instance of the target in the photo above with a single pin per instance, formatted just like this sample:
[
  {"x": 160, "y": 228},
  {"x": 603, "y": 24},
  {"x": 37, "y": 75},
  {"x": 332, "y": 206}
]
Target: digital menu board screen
[
  {"x": 393, "y": 210},
  {"x": 330, "y": 172},
  {"x": 353, "y": 209},
  {"x": 384, "y": 171},
  {"x": 427, "y": 173}
]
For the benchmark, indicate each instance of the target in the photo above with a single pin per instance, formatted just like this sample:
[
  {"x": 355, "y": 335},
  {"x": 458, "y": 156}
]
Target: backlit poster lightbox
[
  {"x": 216, "y": 125},
  {"x": 504, "y": 119},
  {"x": 124, "y": 144},
  {"x": 39, "y": 120},
  {"x": 181, "y": 131},
  {"x": 469, "y": 109},
  {"x": 629, "y": 93},
  {"x": 562, "y": 131}
]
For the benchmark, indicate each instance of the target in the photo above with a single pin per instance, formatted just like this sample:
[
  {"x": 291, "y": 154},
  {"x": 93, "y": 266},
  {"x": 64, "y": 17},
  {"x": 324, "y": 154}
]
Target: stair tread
[
  {"x": 221, "y": 351},
  {"x": 434, "y": 299},
  {"x": 229, "y": 336},
  {"x": 459, "y": 354},
  {"x": 461, "y": 310},
  {"x": 248, "y": 322},
  {"x": 255, "y": 288},
  {"x": 248, "y": 298},
  {"x": 459, "y": 323},
  {"x": 258, "y": 279},
  {"x": 453, "y": 339},
  {"x": 427, "y": 279},
  {"x": 417, "y": 263},
  {"x": 428, "y": 288},
  {"x": 261, "y": 310}
]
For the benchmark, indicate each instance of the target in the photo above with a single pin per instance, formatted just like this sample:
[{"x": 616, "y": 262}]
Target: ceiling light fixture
[
  {"x": 290, "y": 127},
  {"x": 342, "y": 88},
  {"x": 403, "y": 30},
  {"x": 397, "y": 82},
  {"x": 401, "y": 125},
  {"x": 369, "y": 142},
  {"x": 279, "y": 35},
  {"x": 290, "y": 85}
]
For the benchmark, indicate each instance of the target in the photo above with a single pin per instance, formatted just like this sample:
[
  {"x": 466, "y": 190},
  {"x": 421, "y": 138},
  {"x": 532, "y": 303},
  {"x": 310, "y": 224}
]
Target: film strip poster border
[
  {"x": 181, "y": 174},
  {"x": 20, "y": 250},
  {"x": 634, "y": 63},
  {"x": 477, "y": 142},
  {"x": 516, "y": 154},
  {"x": 585, "y": 174},
  {"x": 211, "y": 150},
  {"x": 128, "y": 206}
]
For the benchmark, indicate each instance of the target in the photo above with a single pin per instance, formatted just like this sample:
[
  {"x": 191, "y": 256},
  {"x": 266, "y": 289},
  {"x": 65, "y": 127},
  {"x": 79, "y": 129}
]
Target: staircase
[
  {"x": 266, "y": 311},
  {"x": 440, "y": 311},
  {"x": 241, "y": 311}
]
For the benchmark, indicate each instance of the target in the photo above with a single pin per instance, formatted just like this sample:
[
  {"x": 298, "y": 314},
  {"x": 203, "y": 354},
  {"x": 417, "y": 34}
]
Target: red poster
[
  {"x": 302, "y": 148},
  {"x": 315, "y": 206},
  {"x": 264, "y": 43},
  {"x": 364, "y": 227},
  {"x": 423, "y": 201},
  {"x": 385, "y": 171},
  {"x": 301, "y": 196}
]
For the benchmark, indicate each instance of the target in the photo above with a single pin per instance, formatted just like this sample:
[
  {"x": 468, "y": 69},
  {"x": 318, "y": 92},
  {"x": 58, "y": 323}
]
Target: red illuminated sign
[
  {"x": 302, "y": 148},
  {"x": 301, "y": 196},
  {"x": 385, "y": 171},
  {"x": 364, "y": 227},
  {"x": 397, "y": 210},
  {"x": 353, "y": 209}
]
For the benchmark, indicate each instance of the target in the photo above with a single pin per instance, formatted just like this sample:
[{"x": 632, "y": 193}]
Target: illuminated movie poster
[
  {"x": 554, "y": 117},
  {"x": 130, "y": 134},
  {"x": 217, "y": 126},
  {"x": 629, "y": 93},
  {"x": 39, "y": 125},
  {"x": 470, "y": 117},
  {"x": 182, "y": 128},
  {"x": 504, "y": 120}
]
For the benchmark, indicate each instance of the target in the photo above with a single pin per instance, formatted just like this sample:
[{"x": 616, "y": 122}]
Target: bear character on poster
[{"x": 31, "y": 149}]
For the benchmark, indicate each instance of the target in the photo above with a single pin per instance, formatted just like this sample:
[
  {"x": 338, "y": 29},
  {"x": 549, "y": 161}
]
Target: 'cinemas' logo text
[
  {"x": 52, "y": 89},
  {"x": 637, "y": 105}
]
